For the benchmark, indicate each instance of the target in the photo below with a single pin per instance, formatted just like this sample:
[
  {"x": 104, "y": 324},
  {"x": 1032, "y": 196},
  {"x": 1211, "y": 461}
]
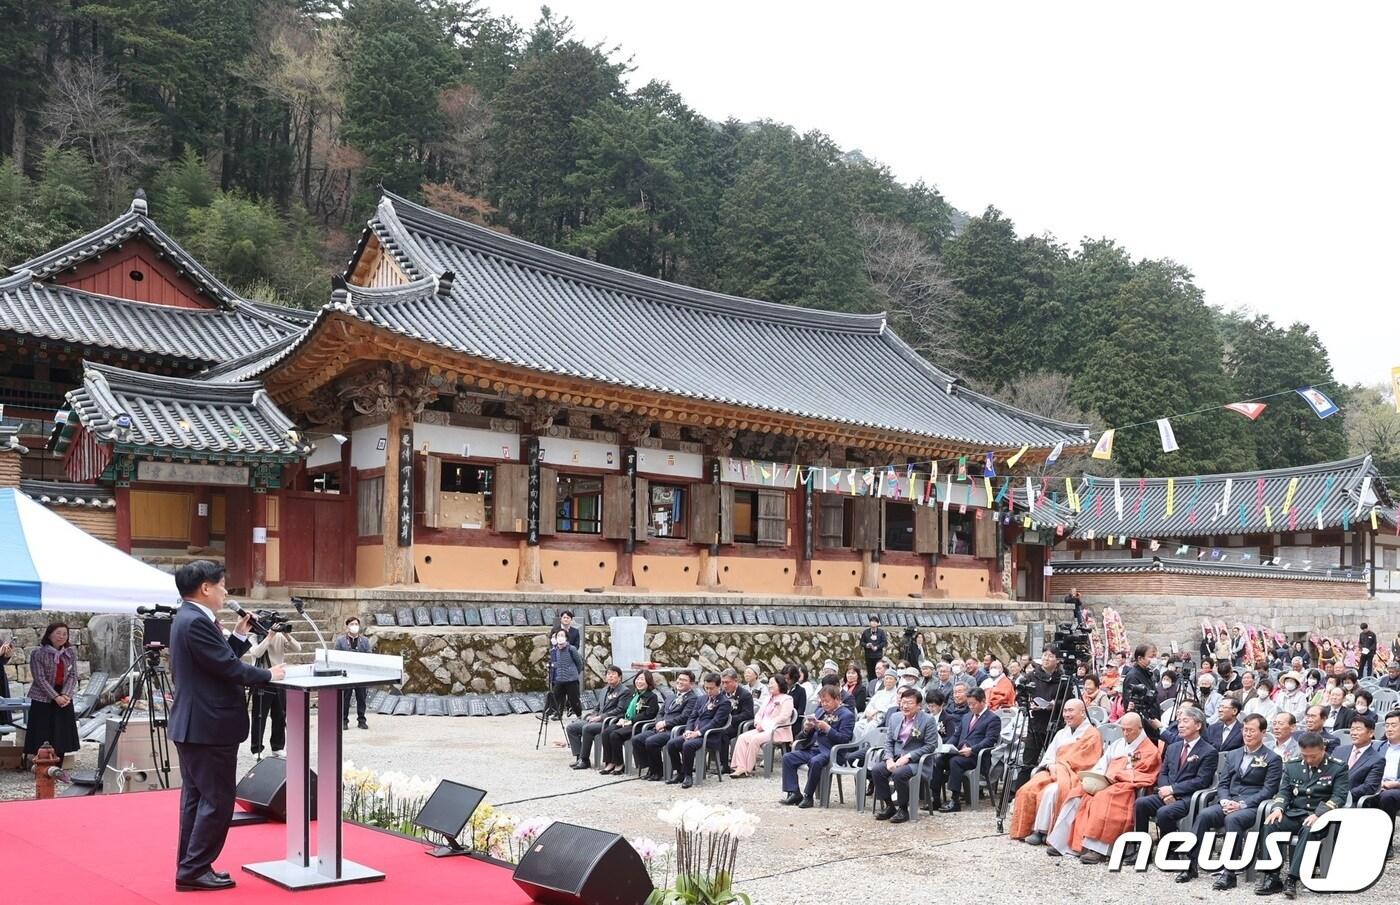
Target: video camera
[
  {"x": 268, "y": 621},
  {"x": 1072, "y": 645}
]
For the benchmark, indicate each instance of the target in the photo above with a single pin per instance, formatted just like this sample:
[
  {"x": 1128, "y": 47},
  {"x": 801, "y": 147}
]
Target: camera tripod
[
  {"x": 1015, "y": 758},
  {"x": 548, "y": 712},
  {"x": 152, "y": 686}
]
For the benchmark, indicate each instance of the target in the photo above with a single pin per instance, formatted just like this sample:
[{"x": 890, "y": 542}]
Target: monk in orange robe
[
  {"x": 1132, "y": 763},
  {"x": 1002, "y": 693},
  {"x": 1074, "y": 748}
]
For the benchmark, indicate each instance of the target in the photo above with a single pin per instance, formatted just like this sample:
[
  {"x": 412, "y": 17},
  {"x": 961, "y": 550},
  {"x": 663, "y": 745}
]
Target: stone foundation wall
[{"x": 455, "y": 661}]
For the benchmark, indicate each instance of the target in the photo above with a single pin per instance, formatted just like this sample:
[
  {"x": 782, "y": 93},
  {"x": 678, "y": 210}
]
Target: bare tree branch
[
  {"x": 86, "y": 110},
  {"x": 908, "y": 280}
]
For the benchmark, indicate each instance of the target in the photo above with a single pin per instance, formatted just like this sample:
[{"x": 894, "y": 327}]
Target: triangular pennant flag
[
  {"x": 1055, "y": 453},
  {"x": 1268, "y": 517},
  {"x": 1365, "y": 492},
  {"x": 1171, "y": 498},
  {"x": 948, "y": 497},
  {"x": 1005, "y": 486},
  {"x": 1104, "y": 448},
  {"x": 1071, "y": 498},
  {"x": 1011, "y": 462},
  {"x": 1319, "y": 401},
  {"x": 1167, "y": 435},
  {"x": 1118, "y": 497},
  {"x": 1251, "y": 410},
  {"x": 1375, "y": 520}
]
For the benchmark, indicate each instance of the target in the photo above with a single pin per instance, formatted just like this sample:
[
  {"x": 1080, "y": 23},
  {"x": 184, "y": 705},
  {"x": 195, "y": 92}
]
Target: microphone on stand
[{"x": 316, "y": 669}]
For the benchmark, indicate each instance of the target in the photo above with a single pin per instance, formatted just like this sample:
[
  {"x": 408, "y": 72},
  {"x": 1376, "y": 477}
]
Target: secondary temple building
[{"x": 473, "y": 411}]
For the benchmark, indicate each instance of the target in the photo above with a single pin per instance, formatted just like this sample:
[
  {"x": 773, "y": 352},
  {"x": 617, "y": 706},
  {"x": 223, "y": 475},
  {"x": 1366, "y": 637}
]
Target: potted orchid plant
[{"x": 706, "y": 851}]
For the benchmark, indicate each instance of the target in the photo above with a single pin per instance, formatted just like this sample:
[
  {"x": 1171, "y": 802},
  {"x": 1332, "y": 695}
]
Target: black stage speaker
[
  {"x": 575, "y": 865},
  {"x": 262, "y": 793}
]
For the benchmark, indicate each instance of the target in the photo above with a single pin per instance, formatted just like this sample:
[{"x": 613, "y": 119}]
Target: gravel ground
[{"x": 796, "y": 858}]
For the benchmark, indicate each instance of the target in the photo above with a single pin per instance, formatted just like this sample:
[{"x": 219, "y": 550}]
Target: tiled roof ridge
[
  {"x": 399, "y": 215},
  {"x": 117, "y": 379},
  {"x": 1351, "y": 462}
]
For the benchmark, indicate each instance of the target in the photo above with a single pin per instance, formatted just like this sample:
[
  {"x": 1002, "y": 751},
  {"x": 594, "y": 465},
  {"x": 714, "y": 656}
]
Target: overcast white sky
[{"x": 1255, "y": 143}]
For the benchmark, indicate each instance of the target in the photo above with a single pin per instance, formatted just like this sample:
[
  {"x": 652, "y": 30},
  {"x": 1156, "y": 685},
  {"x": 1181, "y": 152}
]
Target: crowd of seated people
[{"x": 1234, "y": 749}]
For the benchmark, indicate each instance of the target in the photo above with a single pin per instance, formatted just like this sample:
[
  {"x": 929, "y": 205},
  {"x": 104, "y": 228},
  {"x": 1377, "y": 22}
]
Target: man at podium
[{"x": 208, "y": 719}]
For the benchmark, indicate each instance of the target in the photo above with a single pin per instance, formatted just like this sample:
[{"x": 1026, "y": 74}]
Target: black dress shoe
[
  {"x": 1290, "y": 887},
  {"x": 653, "y": 777},
  {"x": 363, "y": 725},
  {"x": 901, "y": 815},
  {"x": 1224, "y": 880},
  {"x": 1268, "y": 885},
  {"x": 951, "y": 807},
  {"x": 790, "y": 798},
  {"x": 1187, "y": 875},
  {"x": 674, "y": 780},
  {"x": 581, "y": 765},
  {"x": 208, "y": 881},
  {"x": 806, "y": 802},
  {"x": 883, "y": 811},
  {"x": 687, "y": 783},
  {"x": 221, "y": 874}
]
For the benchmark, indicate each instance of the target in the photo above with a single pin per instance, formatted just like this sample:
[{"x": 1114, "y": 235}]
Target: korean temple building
[{"x": 470, "y": 411}]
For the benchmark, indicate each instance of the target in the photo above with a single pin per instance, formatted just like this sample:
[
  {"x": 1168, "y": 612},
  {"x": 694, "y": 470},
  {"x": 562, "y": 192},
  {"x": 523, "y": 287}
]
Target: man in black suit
[
  {"x": 208, "y": 719},
  {"x": 912, "y": 734},
  {"x": 1251, "y": 776},
  {"x": 872, "y": 644},
  {"x": 648, "y": 744},
  {"x": 1364, "y": 759},
  {"x": 1366, "y": 646},
  {"x": 979, "y": 729},
  {"x": 583, "y": 731},
  {"x": 741, "y": 703},
  {"x": 1187, "y": 768},
  {"x": 1312, "y": 722},
  {"x": 713, "y": 714},
  {"x": 1227, "y": 734}
]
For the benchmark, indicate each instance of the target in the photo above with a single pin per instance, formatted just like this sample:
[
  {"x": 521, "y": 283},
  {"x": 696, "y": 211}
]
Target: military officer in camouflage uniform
[{"x": 1312, "y": 785}]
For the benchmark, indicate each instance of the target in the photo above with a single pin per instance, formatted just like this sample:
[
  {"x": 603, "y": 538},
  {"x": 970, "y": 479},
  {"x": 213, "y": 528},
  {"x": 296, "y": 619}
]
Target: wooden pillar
[
  {"x": 397, "y": 517},
  {"x": 123, "y": 498},
  {"x": 806, "y": 506},
  {"x": 931, "y": 588},
  {"x": 257, "y": 586},
  {"x": 530, "y": 575},
  {"x": 1372, "y": 558},
  {"x": 199, "y": 519},
  {"x": 708, "y": 577},
  {"x": 994, "y": 583},
  {"x": 623, "y": 577}
]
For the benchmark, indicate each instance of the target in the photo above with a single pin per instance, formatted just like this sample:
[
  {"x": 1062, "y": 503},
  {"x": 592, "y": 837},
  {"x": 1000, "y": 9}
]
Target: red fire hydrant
[{"x": 43, "y": 782}]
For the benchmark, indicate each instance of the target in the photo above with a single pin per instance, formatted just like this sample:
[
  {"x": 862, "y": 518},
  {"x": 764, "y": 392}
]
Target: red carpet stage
[{"x": 120, "y": 850}]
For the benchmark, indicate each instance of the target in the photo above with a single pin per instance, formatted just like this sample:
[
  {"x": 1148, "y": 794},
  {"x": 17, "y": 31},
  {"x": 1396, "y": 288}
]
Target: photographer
[
  {"x": 1077, "y": 602},
  {"x": 271, "y": 703},
  {"x": 1038, "y": 689},
  {"x": 1140, "y": 691}
]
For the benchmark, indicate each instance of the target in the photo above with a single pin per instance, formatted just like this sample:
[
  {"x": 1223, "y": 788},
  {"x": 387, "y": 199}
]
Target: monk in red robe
[
  {"x": 1074, "y": 748},
  {"x": 1131, "y": 763}
]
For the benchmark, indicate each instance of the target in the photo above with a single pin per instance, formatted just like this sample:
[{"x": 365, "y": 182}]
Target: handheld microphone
[{"x": 237, "y": 607}]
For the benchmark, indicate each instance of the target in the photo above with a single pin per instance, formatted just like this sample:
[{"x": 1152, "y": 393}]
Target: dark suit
[
  {"x": 712, "y": 713},
  {"x": 1255, "y": 783},
  {"x": 1222, "y": 740},
  {"x": 948, "y": 769},
  {"x": 647, "y": 744},
  {"x": 923, "y": 738},
  {"x": 1186, "y": 779},
  {"x": 208, "y": 721},
  {"x": 1365, "y": 775},
  {"x": 582, "y": 732},
  {"x": 742, "y": 709},
  {"x": 813, "y": 750}
]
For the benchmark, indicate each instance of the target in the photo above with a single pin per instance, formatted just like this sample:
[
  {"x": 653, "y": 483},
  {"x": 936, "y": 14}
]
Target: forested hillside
[{"x": 263, "y": 129}]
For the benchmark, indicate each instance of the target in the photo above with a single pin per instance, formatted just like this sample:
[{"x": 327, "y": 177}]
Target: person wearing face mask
[
  {"x": 352, "y": 640},
  {"x": 1001, "y": 693},
  {"x": 1261, "y": 701},
  {"x": 1292, "y": 699},
  {"x": 565, "y": 670}
]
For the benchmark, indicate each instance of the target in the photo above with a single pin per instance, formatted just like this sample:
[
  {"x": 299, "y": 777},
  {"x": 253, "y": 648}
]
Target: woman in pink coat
[{"x": 774, "y": 722}]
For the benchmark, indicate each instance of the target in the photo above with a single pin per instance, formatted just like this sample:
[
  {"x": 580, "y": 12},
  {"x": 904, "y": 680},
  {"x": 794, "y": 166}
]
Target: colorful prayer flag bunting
[
  {"x": 1288, "y": 497},
  {"x": 1319, "y": 401},
  {"x": 1171, "y": 497},
  {"x": 1104, "y": 448},
  {"x": 962, "y": 468},
  {"x": 1011, "y": 462},
  {"x": 1251, "y": 410},
  {"x": 1055, "y": 453}
]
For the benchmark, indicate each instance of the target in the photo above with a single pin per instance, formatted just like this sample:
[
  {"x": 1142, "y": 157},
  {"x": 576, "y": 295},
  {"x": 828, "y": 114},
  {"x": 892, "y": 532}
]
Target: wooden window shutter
[
  {"x": 617, "y": 506},
  {"x": 926, "y": 529},
  {"x": 549, "y": 496},
  {"x": 703, "y": 518},
  {"x": 432, "y": 491},
  {"x": 985, "y": 531},
  {"x": 865, "y": 522},
  {"x": 726, "y": 513},
  {"x": 772, "y": 518},
  {"x": 643, "y": 508},
  {"x": 509, "y": 497},
  {"x": 832, "y": 516},
  {"x": 369, "y": 506}
]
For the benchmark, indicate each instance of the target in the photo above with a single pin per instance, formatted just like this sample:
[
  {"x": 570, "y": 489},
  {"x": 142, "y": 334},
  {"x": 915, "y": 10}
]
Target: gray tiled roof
[
  {"x": 134, "y": 222},
  {"x": 29, "y": 307},
  {"x": 1346, "y": 479},
  {"x": 507, "y": 300},
  {"x": 64, "y": 493},
  {"x": 230, "y": 421},
  {"x": 1199, "y": 567}
]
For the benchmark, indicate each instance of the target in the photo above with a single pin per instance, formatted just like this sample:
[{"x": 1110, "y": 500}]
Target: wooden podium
[{"x": 328, "y": 866}]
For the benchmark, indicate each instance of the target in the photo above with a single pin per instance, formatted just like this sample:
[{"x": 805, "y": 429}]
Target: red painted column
[
  {"x": 123, "y": 496},
  {"x": 258, "y": 582}
]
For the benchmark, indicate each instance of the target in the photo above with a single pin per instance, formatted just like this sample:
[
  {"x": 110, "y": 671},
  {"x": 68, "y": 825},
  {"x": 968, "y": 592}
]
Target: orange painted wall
[
  {"x": 666, "y": 573},
  {"x": 901, "y": 581},
  {"x": 836, "y": 577},
  {"x": 963, "y": 581},
  {"x": 369, "y": 566},
  {"x": 574, "y": 570},
  {"x": 452, "y": 566},
  {"x": 757, "y": 576}
]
